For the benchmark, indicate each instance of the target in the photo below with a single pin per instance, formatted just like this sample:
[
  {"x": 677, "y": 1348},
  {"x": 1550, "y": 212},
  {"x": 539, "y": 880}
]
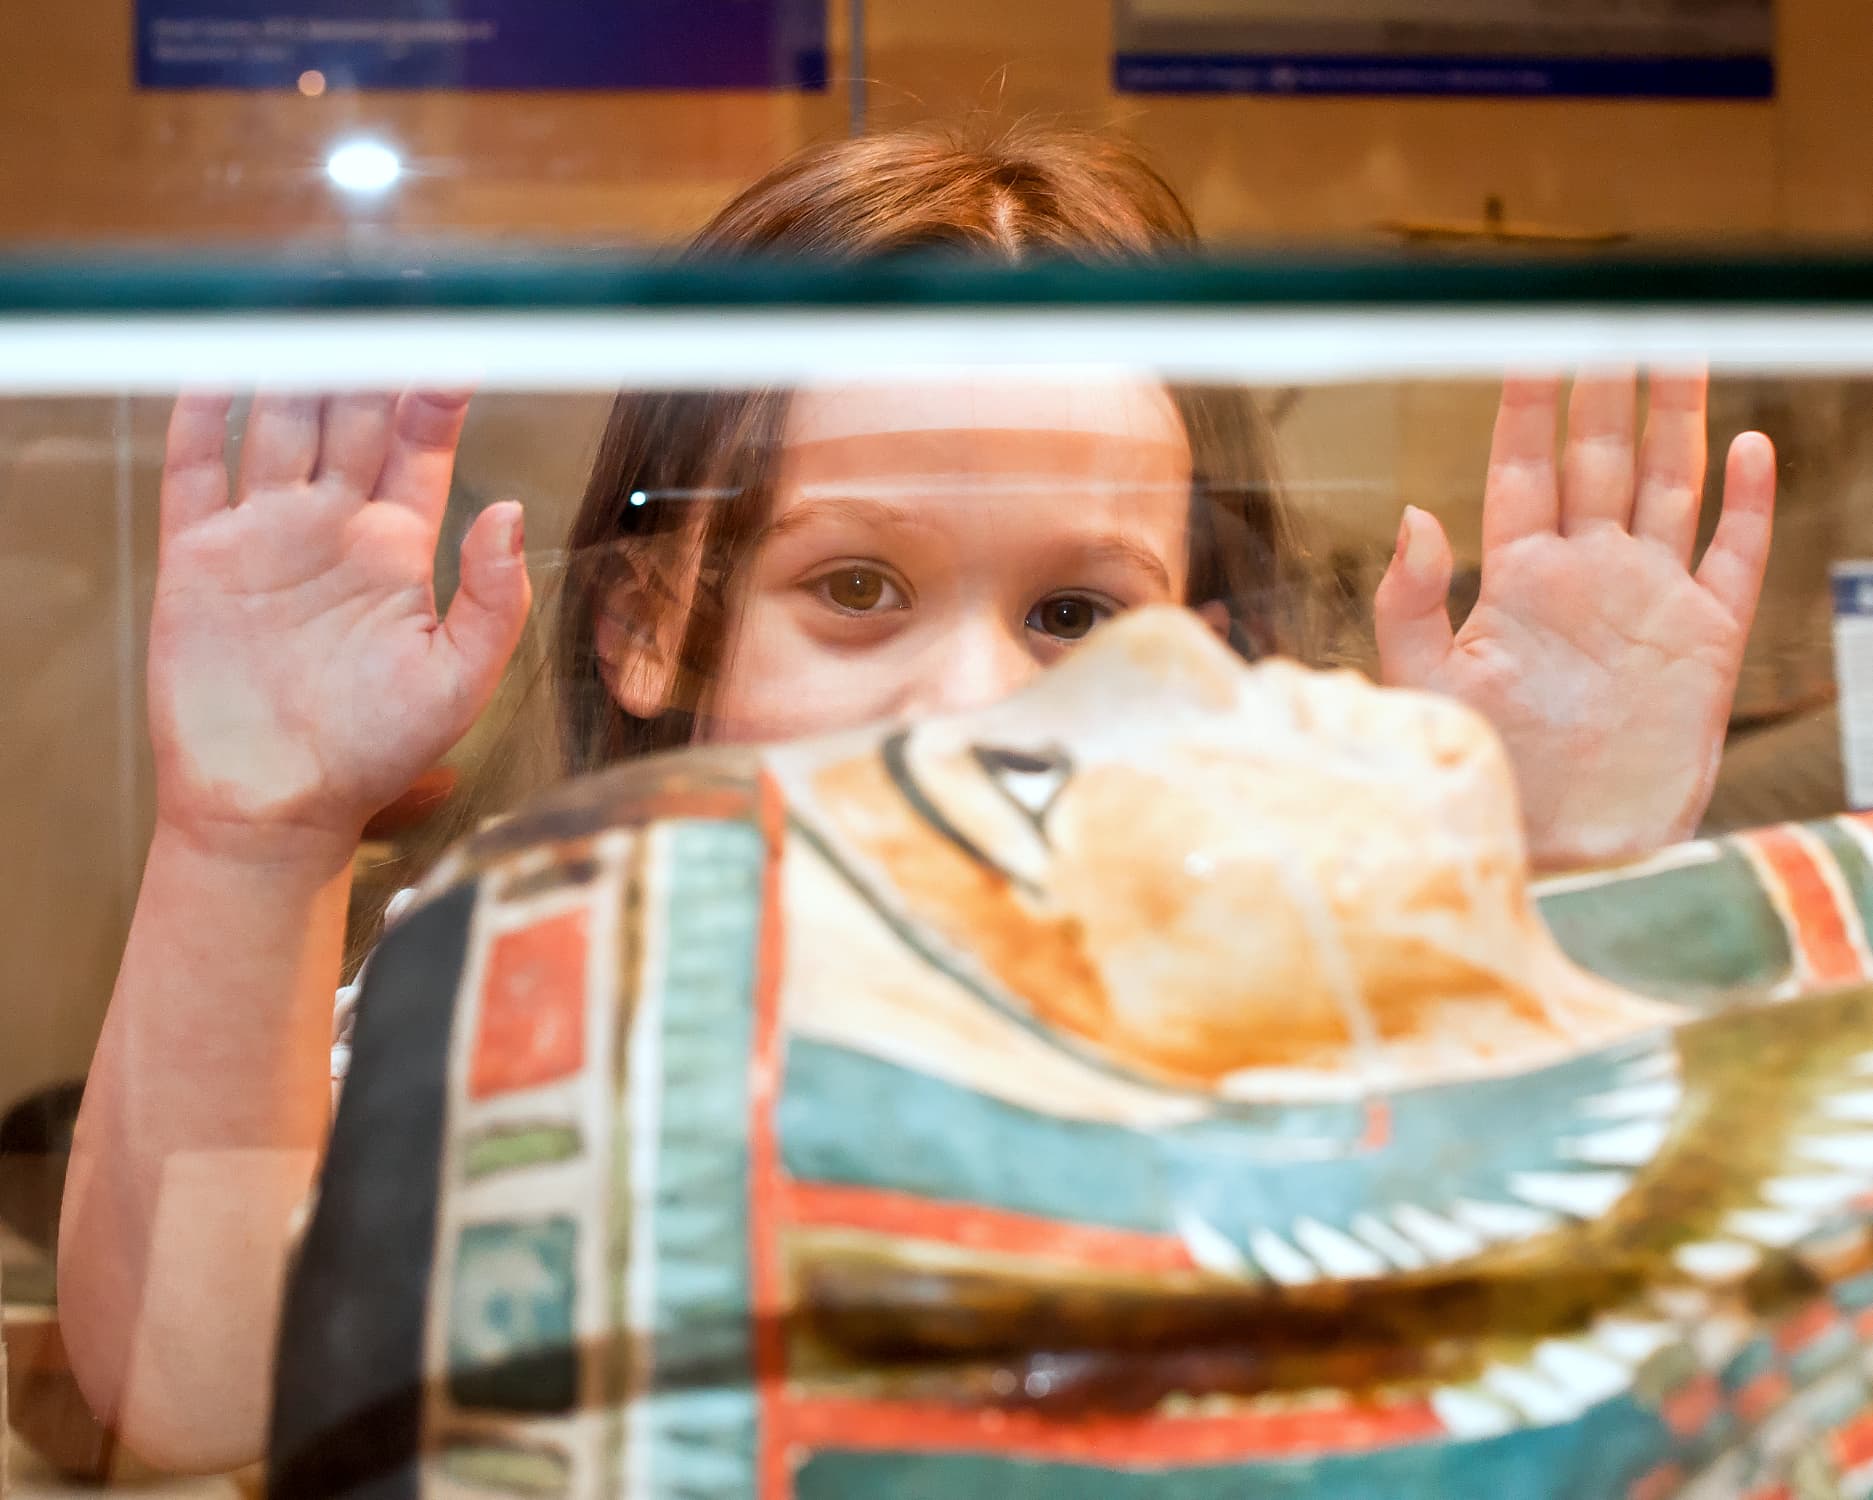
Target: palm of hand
[
  {"x": 1609, "y": 674},
  {"x": 299, "y": 675},
  {"x": 319, "y": 629},
  {"x": 1605, "y": 664}
]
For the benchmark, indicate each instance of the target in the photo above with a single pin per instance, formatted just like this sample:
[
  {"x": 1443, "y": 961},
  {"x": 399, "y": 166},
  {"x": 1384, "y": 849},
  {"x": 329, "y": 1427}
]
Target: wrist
[{"x": 318, "y": 851}]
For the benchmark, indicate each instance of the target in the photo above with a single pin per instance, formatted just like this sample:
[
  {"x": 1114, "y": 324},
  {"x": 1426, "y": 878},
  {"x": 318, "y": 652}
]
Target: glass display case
[
  {"x": 271, "y": 655},
  {"x": 1153, "y": 782}
]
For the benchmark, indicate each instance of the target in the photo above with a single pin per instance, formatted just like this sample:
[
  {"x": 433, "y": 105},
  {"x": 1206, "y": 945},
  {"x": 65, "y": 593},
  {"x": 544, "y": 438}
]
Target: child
[{"x": 879, "y": 550}]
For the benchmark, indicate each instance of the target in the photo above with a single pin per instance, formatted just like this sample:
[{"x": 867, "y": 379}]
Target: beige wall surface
[
  {"x": 71, "y": 770},
  {"x": 87, "y": 156}
]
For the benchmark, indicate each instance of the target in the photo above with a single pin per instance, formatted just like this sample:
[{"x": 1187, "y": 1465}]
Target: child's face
[{"x": 931, "y": 548}]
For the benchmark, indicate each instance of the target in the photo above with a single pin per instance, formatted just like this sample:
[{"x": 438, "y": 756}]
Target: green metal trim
[{"x": 419, "y": 279}]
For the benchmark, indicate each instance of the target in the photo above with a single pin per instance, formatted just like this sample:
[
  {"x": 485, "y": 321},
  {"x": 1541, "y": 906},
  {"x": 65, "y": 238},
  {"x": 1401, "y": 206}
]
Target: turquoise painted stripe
[
  {"x": 849, "y": 1118},
  {"x": 1855, "y": 1293},
  {"x": 1855, "y": 873},
  {"x": 1829, "y": 1348},
  {"x": 1685, "y": 934},
  {"x": 1755, "y": 1357},
  {"x": 1596, "y": 1456},
  {"x": 702, "y": 1413},
  {"x": 1721, "y": 1431}
]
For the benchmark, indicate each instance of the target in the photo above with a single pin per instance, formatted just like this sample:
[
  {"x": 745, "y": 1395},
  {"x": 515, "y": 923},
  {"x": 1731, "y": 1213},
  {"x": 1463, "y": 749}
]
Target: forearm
[{"x": 203, "y": 1120}]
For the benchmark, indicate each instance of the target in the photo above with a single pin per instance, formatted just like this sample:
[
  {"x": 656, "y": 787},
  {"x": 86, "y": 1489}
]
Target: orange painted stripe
[
  {"x": 1121, "y": 1442},
  {"x": 969, "y": 1226},
  {"x": 1821, "y": 935},
  {"x": 773, "y": 1470},
  {"x": 1657, "y": 1484},
  {"x": 1378, "y": 1132},
  {"x": 1852, "y": 1442},
  {"x": 1763, "y": 1395},
  {"x": 1804, "y": 1327},
  {"x": 1689, "y": 1410}
]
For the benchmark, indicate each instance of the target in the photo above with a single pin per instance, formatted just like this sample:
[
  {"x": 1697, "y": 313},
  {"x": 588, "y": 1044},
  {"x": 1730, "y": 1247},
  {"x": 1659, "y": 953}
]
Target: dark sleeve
[{"x": 348, "y": 1387}]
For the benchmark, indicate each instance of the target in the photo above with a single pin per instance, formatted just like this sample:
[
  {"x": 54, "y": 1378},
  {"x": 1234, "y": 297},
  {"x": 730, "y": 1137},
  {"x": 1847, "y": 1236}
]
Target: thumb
[
  {"x": 1408, "y": 612},
  {"x": 490, "y": 607}
]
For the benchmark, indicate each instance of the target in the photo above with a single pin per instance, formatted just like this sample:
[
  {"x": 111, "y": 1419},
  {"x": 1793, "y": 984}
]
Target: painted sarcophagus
[{"x": 1165, "y": 1084}]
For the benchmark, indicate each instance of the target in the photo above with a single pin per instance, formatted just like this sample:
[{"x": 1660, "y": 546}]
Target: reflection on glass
[{"x": 1060, "y": 969}]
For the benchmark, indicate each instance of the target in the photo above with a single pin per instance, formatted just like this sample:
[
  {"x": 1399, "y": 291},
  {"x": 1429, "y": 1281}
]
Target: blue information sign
[
  {"x": 482, "y": 44},
  {"x": 1853, "y": 589},
  {"x": 1853, "y": 675},
  {"x": 1671, "y": 49}
]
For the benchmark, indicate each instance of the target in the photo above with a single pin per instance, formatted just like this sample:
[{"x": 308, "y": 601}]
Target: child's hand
[
  {"x": 1605, "y": 664},
  {"x": 299, "y": 676}
]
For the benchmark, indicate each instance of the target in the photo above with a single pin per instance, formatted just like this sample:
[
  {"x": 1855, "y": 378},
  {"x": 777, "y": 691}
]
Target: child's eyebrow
[
  {"x": 1124, "y": 551},
  {"x": 864, "y": 510},
  {"x": 1087, "y": 549}
]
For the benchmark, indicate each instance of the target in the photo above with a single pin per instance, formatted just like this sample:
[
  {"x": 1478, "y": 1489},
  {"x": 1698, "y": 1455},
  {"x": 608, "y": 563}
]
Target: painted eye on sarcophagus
[{"x": 1030, "y": 779}]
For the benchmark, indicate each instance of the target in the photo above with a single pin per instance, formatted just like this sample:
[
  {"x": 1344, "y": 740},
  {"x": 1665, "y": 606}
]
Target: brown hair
[{"x": 1006, "y": 197}]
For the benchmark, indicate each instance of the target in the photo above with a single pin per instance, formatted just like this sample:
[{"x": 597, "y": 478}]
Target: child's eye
[
  {"x": 1067, "y": 617},
  {"x": 859, "y": 590}
]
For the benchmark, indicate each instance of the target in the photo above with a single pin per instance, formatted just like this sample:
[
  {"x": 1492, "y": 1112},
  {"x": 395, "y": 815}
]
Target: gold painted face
[{"x": 1219, "y": 873}]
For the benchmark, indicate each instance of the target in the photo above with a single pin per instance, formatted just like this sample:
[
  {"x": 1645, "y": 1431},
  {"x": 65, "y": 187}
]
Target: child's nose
[{"x": 980, "y": 664}]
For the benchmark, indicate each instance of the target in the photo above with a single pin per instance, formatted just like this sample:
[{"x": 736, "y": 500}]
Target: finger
[
  {"x": 1733, "y": 564},
  {"x": 1597, "y": 466},
  {"x": 281, "y": 443},
  {"x": 1671, "y": 462},
  {"x": 1519, "y": 495},
  {"x": 425, "y": 431},
  {"x": 490, "y": 608},
  {"x": 1409, "y": 611},
  {"x": 195, "y": 465},
  {"x": 355, "y": 440}
]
